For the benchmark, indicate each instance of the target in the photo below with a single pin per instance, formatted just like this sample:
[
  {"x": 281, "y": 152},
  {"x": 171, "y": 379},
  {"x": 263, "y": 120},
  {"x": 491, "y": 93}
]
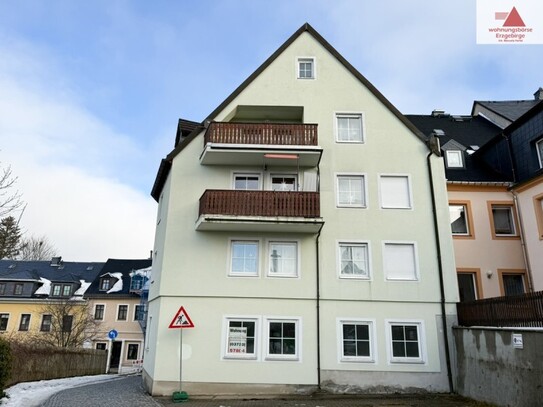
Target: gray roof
[
  {"x": 469, "y": 132},
  {"x": 66, "y": 271},
  {"x": 508, "y": 109}
]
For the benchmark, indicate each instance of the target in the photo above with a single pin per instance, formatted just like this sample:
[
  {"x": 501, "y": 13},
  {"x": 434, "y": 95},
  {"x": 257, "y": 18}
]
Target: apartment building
[{"x": 303, "y": 227}]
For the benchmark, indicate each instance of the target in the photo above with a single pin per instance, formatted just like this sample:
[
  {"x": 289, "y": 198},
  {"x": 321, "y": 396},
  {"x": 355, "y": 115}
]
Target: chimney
[
  {"x": 538, "y": 95},
  {"x": 56, "y": 261}
]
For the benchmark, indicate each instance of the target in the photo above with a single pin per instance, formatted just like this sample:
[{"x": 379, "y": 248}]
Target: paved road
[{"x": 127, "y": 391}]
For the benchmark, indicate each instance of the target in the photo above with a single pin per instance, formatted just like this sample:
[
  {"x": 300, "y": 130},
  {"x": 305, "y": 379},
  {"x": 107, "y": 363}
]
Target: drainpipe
[
  {"x": 523, "y": 243},
  {"x": 318, "y": 310},
  {"x": 440, "y": 262}
]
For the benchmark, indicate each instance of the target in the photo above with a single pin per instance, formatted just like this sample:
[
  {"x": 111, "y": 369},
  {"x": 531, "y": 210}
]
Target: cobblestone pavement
[{"x": 126, "y": 391}]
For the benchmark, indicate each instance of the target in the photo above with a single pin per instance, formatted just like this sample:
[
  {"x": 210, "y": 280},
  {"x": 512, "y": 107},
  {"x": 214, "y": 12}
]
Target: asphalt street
[{"x": 128, "y": 391}]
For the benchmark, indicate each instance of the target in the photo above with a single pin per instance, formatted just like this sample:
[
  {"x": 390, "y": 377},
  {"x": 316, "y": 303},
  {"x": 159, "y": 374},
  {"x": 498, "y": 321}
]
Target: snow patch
[
  {"x": 81, "y": 290},
  {"x": 118, "y": 286},
  {"x": 33, "y": 394},
  {"x": 45, "y": 289},
  {"x": 146, "y": 272}
]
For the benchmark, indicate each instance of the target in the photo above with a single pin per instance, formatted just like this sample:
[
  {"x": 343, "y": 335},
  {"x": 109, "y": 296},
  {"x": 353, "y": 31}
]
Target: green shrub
[{"x": 5, "y": 364}]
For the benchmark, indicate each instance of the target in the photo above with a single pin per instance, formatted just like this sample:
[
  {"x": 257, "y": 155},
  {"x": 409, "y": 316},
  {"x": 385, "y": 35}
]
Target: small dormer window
[
  {"x": 306, "y": 68},
  {"x": 539, "y": 146},
  {"x": 104, "y": 284},
  {"x": 454, "y": 159},
  {"x": 136, "y": 283}
]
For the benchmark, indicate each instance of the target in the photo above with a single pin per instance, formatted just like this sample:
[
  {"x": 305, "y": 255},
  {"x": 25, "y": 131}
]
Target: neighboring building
[
  {"x": 296, "y": 226},
  {"x": 483, "y": 214},
  {"x": 522, "y": 142},
  {"x": 115, "y": 302},
  {"x": 27, "y": 287}
]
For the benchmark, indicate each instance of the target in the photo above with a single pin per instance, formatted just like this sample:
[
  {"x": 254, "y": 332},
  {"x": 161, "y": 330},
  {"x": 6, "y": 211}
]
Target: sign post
[
  {"x": 181, "y": 321},
  {"x": 111, "y": 335}
]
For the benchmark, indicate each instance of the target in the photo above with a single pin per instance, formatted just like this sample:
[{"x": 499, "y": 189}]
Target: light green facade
[{"x": 191, "y": 267}]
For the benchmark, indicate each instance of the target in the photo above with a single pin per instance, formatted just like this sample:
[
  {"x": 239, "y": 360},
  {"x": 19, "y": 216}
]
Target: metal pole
[{"x": 180, "y": 360}]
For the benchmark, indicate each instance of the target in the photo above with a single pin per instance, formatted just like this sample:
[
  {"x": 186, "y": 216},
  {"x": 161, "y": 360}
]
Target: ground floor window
[
  {"x": 282, "y": 339},
  {"x": 356, "y": 341},
  {"x": 101, "y": 346},
  {"x": 241, "y": 338},
  {"x": 405, "y": 340}
]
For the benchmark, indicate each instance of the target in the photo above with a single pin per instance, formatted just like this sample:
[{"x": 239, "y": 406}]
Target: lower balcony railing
[{"x": 259, "y": 211}]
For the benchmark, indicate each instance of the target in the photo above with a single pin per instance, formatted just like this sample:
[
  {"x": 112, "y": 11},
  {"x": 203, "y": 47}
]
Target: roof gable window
[{"x": 306, "y": 68}]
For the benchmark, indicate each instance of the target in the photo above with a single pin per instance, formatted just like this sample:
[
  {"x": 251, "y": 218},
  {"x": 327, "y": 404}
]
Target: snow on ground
[{"x": 31, "y": 394}]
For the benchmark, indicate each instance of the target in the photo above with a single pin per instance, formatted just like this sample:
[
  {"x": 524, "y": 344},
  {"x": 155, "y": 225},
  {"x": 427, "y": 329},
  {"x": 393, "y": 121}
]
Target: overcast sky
[{"x": 91, "y": 91}]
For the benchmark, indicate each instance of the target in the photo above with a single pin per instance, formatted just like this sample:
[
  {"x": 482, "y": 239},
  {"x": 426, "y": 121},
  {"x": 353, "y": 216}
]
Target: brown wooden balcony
[
  {"x": 251, "y": 143},
  {"x": 273, "y": 211}
]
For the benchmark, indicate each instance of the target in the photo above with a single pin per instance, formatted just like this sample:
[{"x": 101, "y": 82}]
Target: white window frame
[
  {"x": 338, "y": 115},
  {"x": 459, "y": 155},
  {"x": 248, "y": 174},
  {"x": 50, "y": 322},
  {"x": 421, "y": 333},
  {"x": 409, "y": 191},
  {"x": 94, "y": 312},
  {"x": 283, "y": 175},
  {"x": 21, "y": 321},
  {"x": 372, "y": 358},
  {"x": 364, "y": 203},
  {"x": 127, "y": 313},
  {"x": 137, "y": 352},
  {"x": 355, "y": 243},
  {"x": 231, "y": 242},
  {"x": 539, "y": 148},
  {"x": 269, "y": 261},
  {"x": 225, "y": 335},
  {"x": 313, "y": 61},
  {"x": 415, "y": 259},
  {"x": 298, "y": 338},
  {"x": 7, "y": 323}
]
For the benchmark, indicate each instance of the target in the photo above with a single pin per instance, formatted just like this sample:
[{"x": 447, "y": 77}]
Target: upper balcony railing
[
  {"x": 260, "y": 203},
  {"x": 262, "y": 133}
]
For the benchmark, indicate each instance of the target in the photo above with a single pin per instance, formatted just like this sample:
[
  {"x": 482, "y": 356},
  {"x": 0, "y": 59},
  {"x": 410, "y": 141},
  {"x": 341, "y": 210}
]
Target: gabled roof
[
  {"x": 166, "y": 163},
  {"x": 11, "y": 270},
  {"x": 510, "y": 110},
  {"x": 122, "y": 266},
  {"x": 470, "y": 132}
]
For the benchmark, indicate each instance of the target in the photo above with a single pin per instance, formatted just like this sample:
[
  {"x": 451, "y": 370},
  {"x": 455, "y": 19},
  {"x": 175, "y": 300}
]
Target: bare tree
[
  {"x": 9, "y": 200},
  {"x": 36, "y": 248},
  {"x": 71, "y": 324}
]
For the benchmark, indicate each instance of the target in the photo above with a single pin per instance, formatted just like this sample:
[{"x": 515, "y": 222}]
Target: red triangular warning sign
[
  {"x": 181, "y": 320},
  {"x": 514, "y": 19}
]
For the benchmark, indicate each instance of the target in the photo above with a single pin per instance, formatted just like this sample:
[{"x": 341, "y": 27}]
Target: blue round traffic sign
[{"x": 112, "y": 334}]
